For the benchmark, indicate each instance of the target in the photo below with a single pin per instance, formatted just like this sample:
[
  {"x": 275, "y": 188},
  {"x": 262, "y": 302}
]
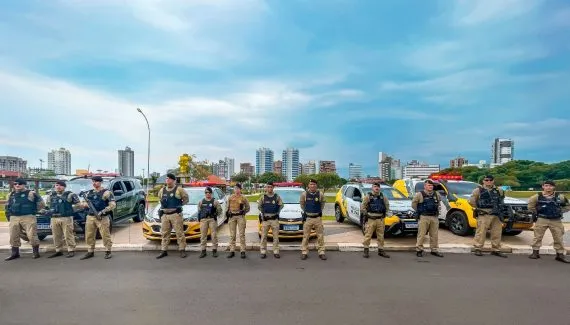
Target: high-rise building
[
  {"x": 230, "y": 168},
  {"x": 300, "y": 167},
  {"x": 419, "y": 170},
  {"x": 502, "y": 151},
  {"x": 278, "y": 167},
  {"x": 384, "y": 165},
  {"x": 13, "y": 164},
  {"x": 127, "y": 162},
  {"x": 310, "y": 168},
  {"x": 220, "y": 169},
  {"x": 327, "y": 166},
  {"x": 354, "y": 171},
  {"x": 60, "y": 161},
  {"x": 246, "y": 168},
  {"x": 263, "y": 161},
  {"x": 290, "y": 163},
  {"x": 458, "y": 162}
]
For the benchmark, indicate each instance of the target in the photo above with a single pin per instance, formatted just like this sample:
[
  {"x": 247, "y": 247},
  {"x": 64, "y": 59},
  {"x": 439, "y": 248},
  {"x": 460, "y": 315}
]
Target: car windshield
[
  {"x": 461, "y": 188},
  {"x": 78, "y": 185},
  {"x": 195, "y": 196},
  {"x": 389, "y": 193},
  {"x": 290, "y": 197}
]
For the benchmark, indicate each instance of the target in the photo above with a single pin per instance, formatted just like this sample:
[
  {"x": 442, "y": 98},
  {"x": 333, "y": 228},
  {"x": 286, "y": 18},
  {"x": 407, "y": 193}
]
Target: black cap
[
  {"x": 489, "y": 177},
  {"x": 238, "y": 185},
  {"x": 20, "y": 181},
  {"x": 376, "y": 183},
  {"x": 549, "y": 182},
  {"x": 429, "y": 181},
  {"x": 62, "y": 183},
  {"x": 208, "y": 189},
  {"x": 97, "y": 178},
  {"x": 270, "y": 183},
  {"x": 312, "y": 180},
  {"x": 171, "y": 176}
]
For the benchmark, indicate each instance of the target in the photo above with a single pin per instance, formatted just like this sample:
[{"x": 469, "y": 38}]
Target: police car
[
  {"x": 290, "y": 217},
  {"x": 151, "y": 226},
  {"x": 399, "y": 220}
]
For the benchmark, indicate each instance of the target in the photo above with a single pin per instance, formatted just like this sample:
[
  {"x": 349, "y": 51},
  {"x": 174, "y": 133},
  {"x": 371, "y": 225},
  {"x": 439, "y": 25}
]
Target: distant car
[
  {"x": 290, "y": 217},
  {"x": 151, "y": 226},
  {"x": 129, "y": 195},
  {"x": 399, "y": 220}
]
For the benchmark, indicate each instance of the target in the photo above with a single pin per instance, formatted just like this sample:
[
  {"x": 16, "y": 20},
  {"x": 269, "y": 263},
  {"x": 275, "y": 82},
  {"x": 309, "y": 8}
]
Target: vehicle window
[
  {"x": 357, "y": 194},
  {"x": 220, "y": 193},
  {"x": 461, "y": 188},
  {"x": 117, "y": 187},
  {"x": 216, "y": 195},
  {"x": 129, "y": 185},
  {"x": 194, "y": 196},
  {"x": 137, "y": 184},
  {"x": 419, "y": 187},
  {"x": 289, "y": 197},
  {"x": 389, "y": 193},
  {"x": 349, "y": 192}
]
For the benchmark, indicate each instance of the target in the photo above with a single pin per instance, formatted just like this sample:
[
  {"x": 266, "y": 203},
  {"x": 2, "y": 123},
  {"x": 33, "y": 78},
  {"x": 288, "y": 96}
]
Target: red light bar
[
  {"x": 446, "y": 177},
  {"x": 288, "y": 184},
  {"x": 202, "y": 184}
]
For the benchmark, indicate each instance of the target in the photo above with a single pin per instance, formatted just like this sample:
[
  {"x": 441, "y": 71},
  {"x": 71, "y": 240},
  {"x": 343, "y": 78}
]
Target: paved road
[{"x": 134, "y": 288}]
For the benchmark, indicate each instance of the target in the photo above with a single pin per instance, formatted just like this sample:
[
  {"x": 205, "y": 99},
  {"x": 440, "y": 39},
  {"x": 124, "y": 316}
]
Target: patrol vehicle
[{"x": 399, "y": 220}]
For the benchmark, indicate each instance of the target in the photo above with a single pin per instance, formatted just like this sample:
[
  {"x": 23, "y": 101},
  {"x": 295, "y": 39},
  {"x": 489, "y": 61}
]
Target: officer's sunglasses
[
  {"x": 18, "y": 183},
  {"x": 488, "y": 180}
]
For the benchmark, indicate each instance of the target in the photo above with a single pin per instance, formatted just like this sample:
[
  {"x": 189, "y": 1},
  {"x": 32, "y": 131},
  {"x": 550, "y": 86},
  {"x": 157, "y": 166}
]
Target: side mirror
[
  {"x": 451, "y": 197},
  {"x": 118, "y": 192}
]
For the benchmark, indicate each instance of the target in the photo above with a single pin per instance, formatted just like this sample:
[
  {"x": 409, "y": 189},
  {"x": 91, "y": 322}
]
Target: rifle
[{"x": 92, "y": 210}]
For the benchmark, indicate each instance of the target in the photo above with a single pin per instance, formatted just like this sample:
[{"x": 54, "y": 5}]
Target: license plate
[
  {"x": 44, "y": 227},
  {"x": 291, "y": 227},
  {"x": 411, "y": 225}
]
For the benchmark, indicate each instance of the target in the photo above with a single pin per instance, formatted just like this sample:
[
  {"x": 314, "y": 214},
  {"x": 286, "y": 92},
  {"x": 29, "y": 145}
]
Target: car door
[
  {"x": 130, "y": 196},
  {"x": 119, "y": 192},
  {"x": 220, "y": 197},
  {"x": 352, "y": 207}
]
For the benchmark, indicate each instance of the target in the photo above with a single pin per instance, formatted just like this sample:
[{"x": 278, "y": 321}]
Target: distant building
[
  {"x": 300, "y": 168},
  {"x": 220, "y": 169},
  {"x": 127, "y": 162},
  {"x": 230, "y": 168},
  {"x": 354, "y": 171},
  {"x": 420, "y": 170},
  {"x": 246, "y": 168},
  {"x": 310, "y": 168},
  {"x": 458, "y": 162},
  {"x": 290, "y": 163},
  {"x": 388, "y": 167},
  {"x": 278, "y": 167},
  {"x": 502, "y": 151},
  {"x": 263, "y": 161},
  {"x": 60, "y": 161},
  {"x": 13, "y": 164},
  {"x": 327, "y": 166}
]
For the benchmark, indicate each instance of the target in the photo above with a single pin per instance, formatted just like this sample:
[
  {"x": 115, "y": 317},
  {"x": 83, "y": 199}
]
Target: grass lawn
[{"x": 3, "y": 216}]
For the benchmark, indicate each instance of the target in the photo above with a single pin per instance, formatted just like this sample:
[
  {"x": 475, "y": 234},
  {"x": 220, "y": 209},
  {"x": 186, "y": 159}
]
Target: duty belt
[
  {"x": 312, "y": 215},
  {"x": 233, "y": 214},
  {"x": 270, "y": 217},
  {"x": 59, "y": 216},
  {"x": 376, "y": 217},
  {"x": 549, "y": 218}
]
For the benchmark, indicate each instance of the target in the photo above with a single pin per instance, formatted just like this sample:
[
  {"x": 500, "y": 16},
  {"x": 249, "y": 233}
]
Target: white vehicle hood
[
  {"x": 400, "y": 205},
  {"x": 508, "y": 200},
  {"x": 291, "y": 211}
]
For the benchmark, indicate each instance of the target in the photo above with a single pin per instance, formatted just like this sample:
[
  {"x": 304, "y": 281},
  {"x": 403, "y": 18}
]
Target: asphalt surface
[{"x": 135, "y": 288}]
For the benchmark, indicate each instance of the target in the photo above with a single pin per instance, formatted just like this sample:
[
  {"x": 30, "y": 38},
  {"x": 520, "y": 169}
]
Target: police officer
[
  {"x": 270, "y": 204},
  {"x": 427, "y": 206},
  {"x": 21, "y": 209},
  {"x": 374, "y": 207},
  {"x": 549, "y": 207},
  {"x": 238, "y": 207},
  {"x": 62, "y": 205},
  {"x": 486, "y": 200},
  {"x": 208, "y": 211},
  {"x": 312, "y": 203},
  {"x": 172, "y": 199},
  {"x": 103, "y": 201}
]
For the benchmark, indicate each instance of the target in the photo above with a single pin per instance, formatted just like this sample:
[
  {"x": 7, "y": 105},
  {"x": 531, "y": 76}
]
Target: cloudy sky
[{"x": 338, "y": 79}]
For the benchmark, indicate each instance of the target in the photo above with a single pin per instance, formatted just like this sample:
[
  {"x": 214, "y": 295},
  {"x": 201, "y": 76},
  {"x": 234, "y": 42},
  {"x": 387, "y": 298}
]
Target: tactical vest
[
  {"x": 313, "y": 203},
  {"x": 430, "y": 204},
  {"x": 207, "y": 210},
  {"x": 489, "y": 199},
  {"x": 97, "y": 200},
  {"x": 60, "y": 204},
  {"x": 376, "y": 204},
  {"x": 549, "y": 208},
  {"x": 169, "y": 199},
  {"x": 20, "y": 205},
  {"x": 270, "y": 205}
]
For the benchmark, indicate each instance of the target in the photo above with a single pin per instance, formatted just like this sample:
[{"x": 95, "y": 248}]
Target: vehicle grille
[{"x": 157, "y": 228}]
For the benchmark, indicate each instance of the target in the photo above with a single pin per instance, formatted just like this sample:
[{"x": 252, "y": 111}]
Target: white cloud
[{"x": 472, "y": 12}]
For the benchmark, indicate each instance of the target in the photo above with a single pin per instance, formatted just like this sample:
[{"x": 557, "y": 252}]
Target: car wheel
[
  {"x": 42, "y": 236},
  {"x": 140, "y": 213},
  {"x": 458, "y": 225},
  {"x": 512, "y": 232},
  {"x": 338, "y": 214}
]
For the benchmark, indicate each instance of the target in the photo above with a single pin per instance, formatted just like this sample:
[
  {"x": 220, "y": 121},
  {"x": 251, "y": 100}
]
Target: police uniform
[
  {"x": 238, "y": 207},
  {"x": 486, "y": 199},
  {"x": 312, "y": 204},
  {"x": 62, "y": 207},
  {"x": 549, "y": 210},
  {"x": 21, "y": 209},
  {"x": 172, "y": 199},
  {"x": 427, "y": 207},
  {"x": 374, "y": 208},
  {"x": 104, "y": 203},
  {"x": 270, "y": 206},
  {"x": 208, "y": 212}
]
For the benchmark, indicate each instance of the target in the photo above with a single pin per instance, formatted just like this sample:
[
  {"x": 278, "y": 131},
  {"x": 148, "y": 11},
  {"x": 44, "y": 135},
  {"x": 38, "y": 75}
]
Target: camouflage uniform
[
  {"x": 374, "y": 223},
  {"x": 209, "y": 223},
  {"x": 269, "y": 220},
  {"x": 313, "y": 220},
  {"x": 428, "y": 223},
  {"x": 171, "y": 219},
  {"x": 101, "y": 223},
  {"x": 21, "y": 210},
  {"x": 238, "y": 207},
  {"x": 486, "y": 220},
  {"x": 62, "y": 225}
]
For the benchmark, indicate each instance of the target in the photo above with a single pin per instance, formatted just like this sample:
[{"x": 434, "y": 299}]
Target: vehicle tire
[
  {"x": 338, "y": 214},
  {"x": 140, "y": 213},
  {"x": 512, "y": 232},
  {"x": 458, "y": 224},
  {"x": 42, "y": 236}
]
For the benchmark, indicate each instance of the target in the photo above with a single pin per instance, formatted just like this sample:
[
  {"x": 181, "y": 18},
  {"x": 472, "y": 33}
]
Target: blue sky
[{"x": 338, "y": 79}]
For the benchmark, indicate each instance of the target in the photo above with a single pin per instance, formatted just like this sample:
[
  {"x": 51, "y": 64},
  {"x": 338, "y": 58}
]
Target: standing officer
[
  {"x": 103, "y": 201},
  {"x": 238, "y": 207},
  {"x": 487, "y": 201},
  {"x": 21, "y": 209},
  {"x": 312, "y": 203},
  {"x": 427, "y": 206},
  {"x": 172, "y": 198},
  {"x": 548, "y": 207},
  {"x": 270, "y": 204},
  {"x": 61, "y": 205},
  {"x": 208, "y": 211},
  {"x": 373, "y": 208}
]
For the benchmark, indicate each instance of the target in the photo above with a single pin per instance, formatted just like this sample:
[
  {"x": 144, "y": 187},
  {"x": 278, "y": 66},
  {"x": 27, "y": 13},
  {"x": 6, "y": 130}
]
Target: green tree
[
  {"x": 328, "y": 180},
  {"x": 304, "y": 178},
  {"x": 240, "y": 178},
  {"x": 271, "y": 177}
]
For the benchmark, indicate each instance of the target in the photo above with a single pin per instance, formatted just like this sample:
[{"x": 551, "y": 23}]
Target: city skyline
[{"x": 429, "y": 82}]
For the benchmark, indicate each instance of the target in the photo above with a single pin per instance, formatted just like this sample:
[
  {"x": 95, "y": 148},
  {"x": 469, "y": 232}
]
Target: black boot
[
  {"x": 214, "y": 252},
  {"x": 277, "y": 255},
  {"x": 70, "y": 254},
  {"x": 87, "y": 256},
  {"x": 108, "y": 255},
  {"x": 15, "y": 254},
  {"x": 304, "y": 256},
  {"x": 366, "y": 253},
  {"x": 499, "y": 254},
  {"x": 36, "y": 251},
  {"x": 535, "y": 255},
  {"x": 162, "y": 254},
  {"x": 263, "y": 255},
  {"x": 56, "y": 254},
  {"x": 478, "y": 252},
  {"x": 438, "y": 254},
  {"x": 203, "y": 254},
  {"x": 231, "y": 255},
  {"x": 183, "y": 254},
  {"x": 420, "y": 253},
  {"x": 242, "y": 254},
  {"x": 560, "y": 257},
  {"x": 382, "y": 253}
]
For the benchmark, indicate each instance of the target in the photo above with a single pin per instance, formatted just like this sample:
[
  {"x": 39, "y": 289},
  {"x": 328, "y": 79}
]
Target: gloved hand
[
  {"x": 99, "y": 215},
  {"x": 242, "y": 212},
  {"x": 534, "y": 217}
]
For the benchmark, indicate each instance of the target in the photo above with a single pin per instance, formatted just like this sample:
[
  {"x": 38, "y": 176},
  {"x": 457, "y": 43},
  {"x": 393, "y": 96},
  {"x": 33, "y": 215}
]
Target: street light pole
[{"x": 148, "y": 153}]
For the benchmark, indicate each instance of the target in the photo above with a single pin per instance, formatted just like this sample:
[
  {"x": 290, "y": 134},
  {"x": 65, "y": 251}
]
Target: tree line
[{"x": 326, "y": 181}]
